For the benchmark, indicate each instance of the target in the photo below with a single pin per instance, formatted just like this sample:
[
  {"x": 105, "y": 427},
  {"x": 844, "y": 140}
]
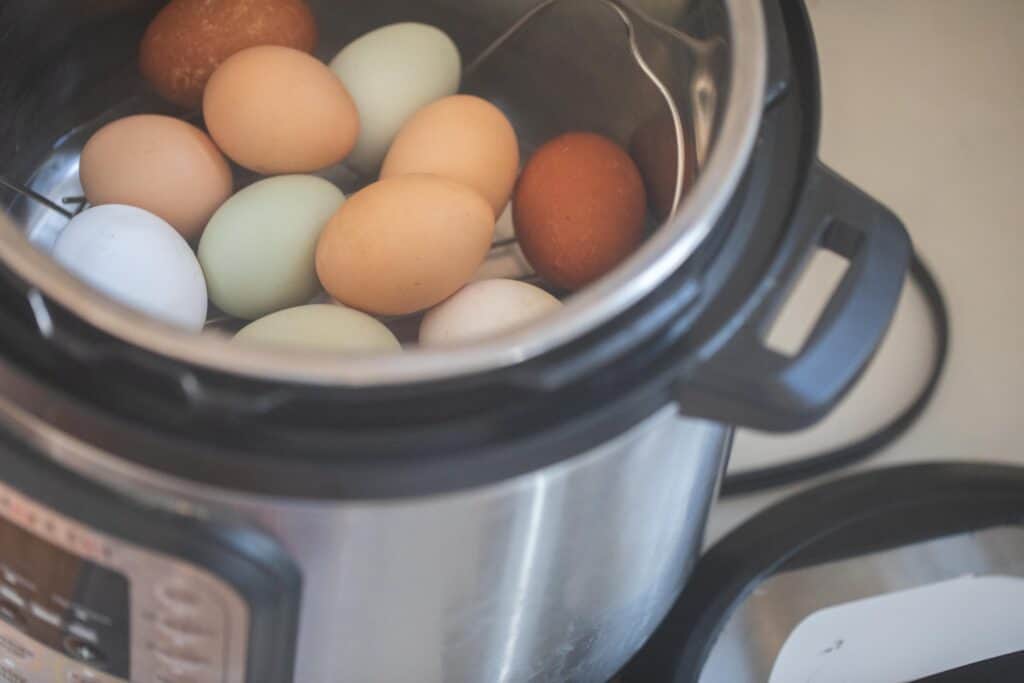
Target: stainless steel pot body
[{"x": 559, "y": 575}]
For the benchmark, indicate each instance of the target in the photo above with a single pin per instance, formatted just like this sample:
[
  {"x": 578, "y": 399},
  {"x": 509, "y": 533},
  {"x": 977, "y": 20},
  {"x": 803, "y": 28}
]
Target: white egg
[
  {"x": 137, "y": 259},
  {"x": 485, "y": 309},
  {"x": 321, "y": 327},
  {"x": 392, "y": 73},
  {"x": 505, "y": 228}
]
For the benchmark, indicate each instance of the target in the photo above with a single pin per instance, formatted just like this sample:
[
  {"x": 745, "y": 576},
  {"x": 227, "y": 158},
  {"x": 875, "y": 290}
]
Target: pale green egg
[
  {"x": 321, "y": 327},
  {"x": 258, "y": 251},
  {"x": 391, "y": 73}
]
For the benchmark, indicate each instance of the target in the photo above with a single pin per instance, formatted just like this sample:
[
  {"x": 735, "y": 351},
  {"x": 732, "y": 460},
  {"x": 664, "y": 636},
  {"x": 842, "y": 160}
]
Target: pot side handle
[{"x": 739, "y": 380}]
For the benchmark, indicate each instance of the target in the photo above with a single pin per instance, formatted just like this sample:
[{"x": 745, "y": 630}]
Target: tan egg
[
  {"x": 404, "y": 244},
  {"x": 160, "y": 164},
  {"x": 276, "y": 110},
  {"x": 463, "y": 138}
]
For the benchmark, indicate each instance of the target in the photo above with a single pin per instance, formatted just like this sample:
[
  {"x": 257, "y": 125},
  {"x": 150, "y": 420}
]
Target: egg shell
[
  {"x": 160, "y": 164},
  {"x": 392, "y": 73},
  {"x": 404, "y": 244},
  {"x": 258, "y": 251},
  {"x": 189, "y": 39},
  {"x": 137, "y": 259},
  {"x": 485, "y": 309},
  {"x": 462, "y": 138},
  {"x": 579, "y": 209},
  {"x": 276, "y": 110},
  {"x": 321, "y": 327}
]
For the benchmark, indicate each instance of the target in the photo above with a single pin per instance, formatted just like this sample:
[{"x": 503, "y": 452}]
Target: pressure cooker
[{"x": 174, "y": 508}]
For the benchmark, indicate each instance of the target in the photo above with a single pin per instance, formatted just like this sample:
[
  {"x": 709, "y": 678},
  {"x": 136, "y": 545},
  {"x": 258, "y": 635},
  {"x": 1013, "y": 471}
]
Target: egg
[
  {"x": 579, "y": 209},
  {"x": 137, "y": 259},
  {"x": 189, "y": 39},
  {"x": 404, "y": 244},
  {"x": 160, "y": 164},
  {"x": 276, "y": 110},
  {"x": 485, "y": 309},
  {"x": 462, "y": 138},
  {"x": 505, "y": 228},
  {"x": 321, "y": 327},
  {"x": 258, "y": 251},
  {"x": 392, "y": 73}
]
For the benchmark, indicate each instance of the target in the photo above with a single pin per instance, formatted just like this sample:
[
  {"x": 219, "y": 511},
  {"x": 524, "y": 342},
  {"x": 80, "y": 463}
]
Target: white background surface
[
  {"x": 924, "y": 109},
  {"x": 882, "y": 639}
]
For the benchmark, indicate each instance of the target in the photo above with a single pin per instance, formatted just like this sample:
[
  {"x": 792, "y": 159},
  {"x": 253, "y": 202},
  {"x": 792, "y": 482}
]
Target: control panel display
[
  {"x": 65, "y": 602},
  {"x": 96, "y": 588}
]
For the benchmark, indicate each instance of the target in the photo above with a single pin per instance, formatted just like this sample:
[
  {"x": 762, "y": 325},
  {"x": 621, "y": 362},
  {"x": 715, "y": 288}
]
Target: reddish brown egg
[
  {"x": 189, "y": 39},
  {"x": 579, "y": 209}
]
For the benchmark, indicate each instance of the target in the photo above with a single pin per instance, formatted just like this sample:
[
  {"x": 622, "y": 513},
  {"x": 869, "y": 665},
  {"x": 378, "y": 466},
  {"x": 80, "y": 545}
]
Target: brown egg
[
  {"x": 277, "y": 110},
  {"x": 404, "y": 244},
  {"x": 579, "y": 209},
  {"x": 160, "y": 164},
  {"x": 463, "y": 138},
  {"x": 189, "y": 39}
]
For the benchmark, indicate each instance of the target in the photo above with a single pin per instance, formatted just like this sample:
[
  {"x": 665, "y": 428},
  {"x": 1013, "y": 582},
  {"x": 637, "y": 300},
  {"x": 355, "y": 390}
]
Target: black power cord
[{"x": 818, "y": 464}]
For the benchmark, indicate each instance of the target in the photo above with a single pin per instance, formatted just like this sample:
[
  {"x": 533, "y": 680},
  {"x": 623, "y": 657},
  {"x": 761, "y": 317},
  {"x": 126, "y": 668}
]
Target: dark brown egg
[
  {"x": 579, "y": 209},
  {"x": 189, "y": 39}
]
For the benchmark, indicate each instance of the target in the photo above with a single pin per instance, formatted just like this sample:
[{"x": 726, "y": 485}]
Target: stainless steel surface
[
  {"x": 715, "y": 71},
  {"x": 752, "y": 639},
  {"x": 676, "y": 140},
  {"x": 556, "y": 576},
  {"x": 201, "y": 638}
]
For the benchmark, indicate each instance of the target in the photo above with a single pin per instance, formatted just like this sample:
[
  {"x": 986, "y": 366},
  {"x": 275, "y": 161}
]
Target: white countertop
[{"x": 924, "y": 109}]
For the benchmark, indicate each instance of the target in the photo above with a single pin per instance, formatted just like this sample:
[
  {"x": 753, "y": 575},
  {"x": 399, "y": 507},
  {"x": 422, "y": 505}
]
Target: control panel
[{"x": 79, "y": 605}]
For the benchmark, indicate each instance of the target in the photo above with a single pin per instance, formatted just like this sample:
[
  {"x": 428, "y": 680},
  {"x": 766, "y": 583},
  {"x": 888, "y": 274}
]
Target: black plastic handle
[{"x": 739, "y": 380}]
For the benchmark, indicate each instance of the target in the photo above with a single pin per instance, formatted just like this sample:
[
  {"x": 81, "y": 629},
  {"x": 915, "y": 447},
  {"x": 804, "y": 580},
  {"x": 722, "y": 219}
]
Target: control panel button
[
  {"x": 46, "y": 616},
  {"x": 10, "y": 672},
  {"x": 11, "y": 613},
  {"x": 83, "y": 632},
  {"x": 12, "y": 596},
  {"x": 179, "y": 595},
  {"x": 186, "y": 627},
  {"x": 164, "y": 677},
  {"x": 84, "y": 652},
  {"x": 176, "y": 668}
]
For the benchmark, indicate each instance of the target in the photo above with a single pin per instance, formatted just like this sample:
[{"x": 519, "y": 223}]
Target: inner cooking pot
[
  {"x": 680, "y": 78},
  {"x": 733, "y": 122}
]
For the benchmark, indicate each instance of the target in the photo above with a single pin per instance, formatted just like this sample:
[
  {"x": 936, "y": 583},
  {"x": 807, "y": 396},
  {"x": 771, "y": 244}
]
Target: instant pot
[{"x": 178, "y": 509}]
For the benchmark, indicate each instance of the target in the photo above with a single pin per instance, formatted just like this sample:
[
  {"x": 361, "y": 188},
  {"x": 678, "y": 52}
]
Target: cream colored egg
[
  {"x": 486, "y": 309},
  {"x": 392, "y": 73},
  {"x": 322, "y": 327},
  {"x": 259, "y": 250}
]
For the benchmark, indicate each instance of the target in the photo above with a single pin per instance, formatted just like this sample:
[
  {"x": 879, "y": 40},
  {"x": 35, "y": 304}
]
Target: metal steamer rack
[{"x": 53, "y": 195}]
